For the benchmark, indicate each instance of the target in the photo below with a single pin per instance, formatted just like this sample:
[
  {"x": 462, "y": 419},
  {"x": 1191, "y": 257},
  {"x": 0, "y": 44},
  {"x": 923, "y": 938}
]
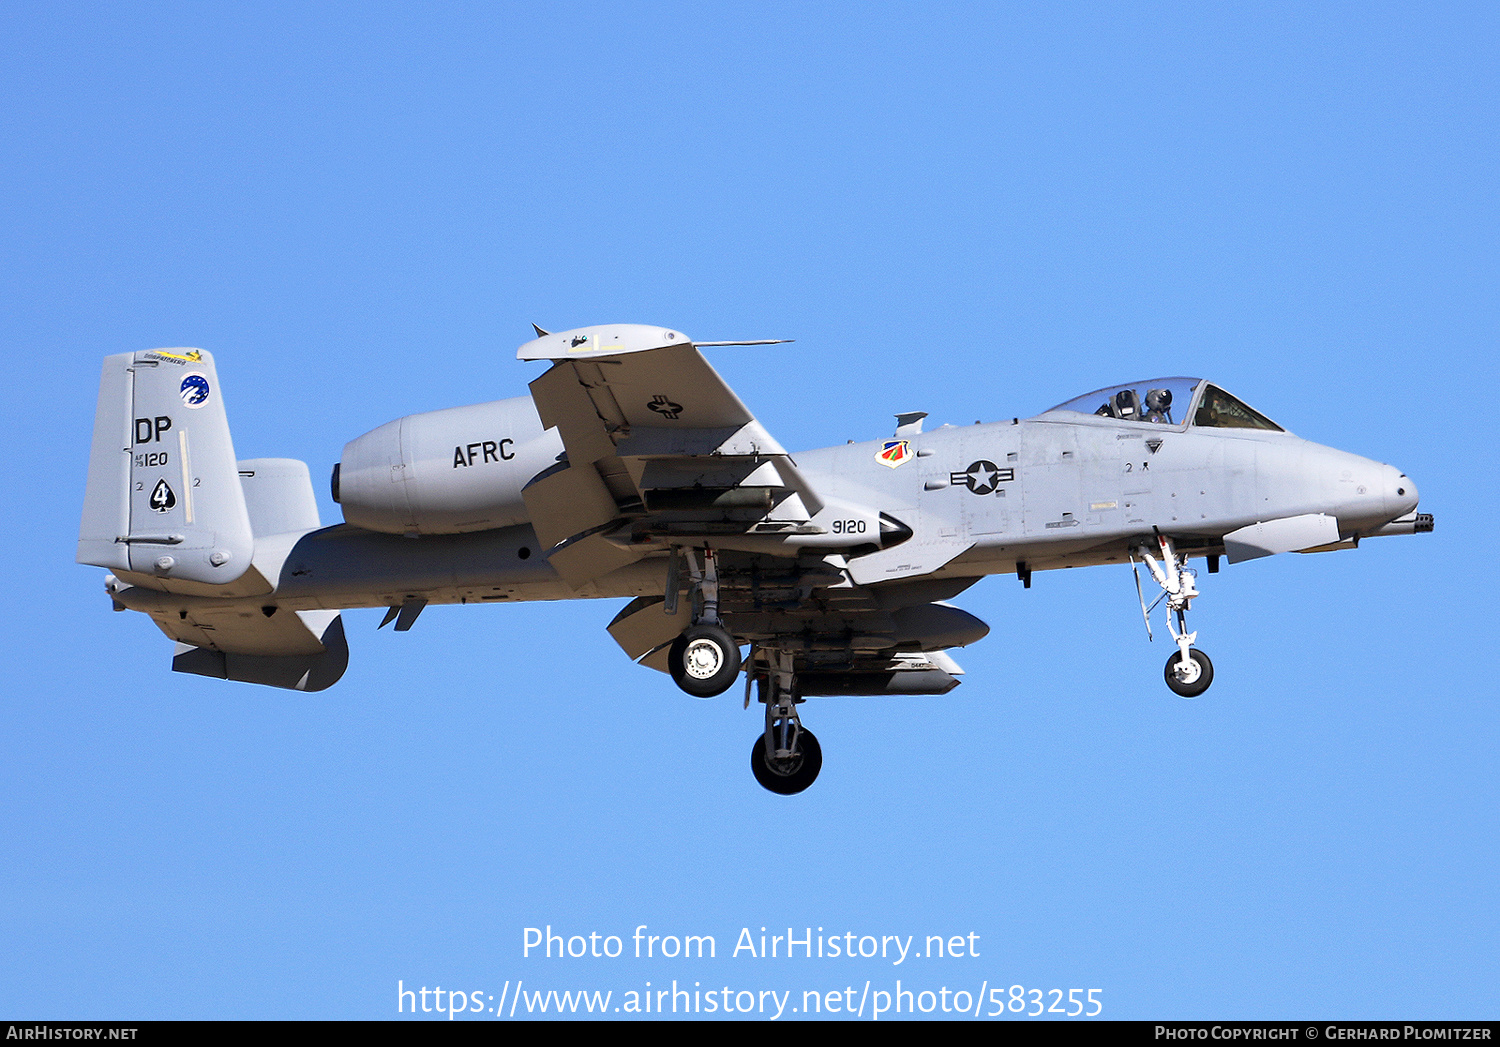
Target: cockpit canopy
[{"x": 1170, "y": 402}]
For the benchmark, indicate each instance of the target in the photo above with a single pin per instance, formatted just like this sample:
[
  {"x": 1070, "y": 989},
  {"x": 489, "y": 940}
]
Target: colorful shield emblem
[{"x": 893, "y": 452}]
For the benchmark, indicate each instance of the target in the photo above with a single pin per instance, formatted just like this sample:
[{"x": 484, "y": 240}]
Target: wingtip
[
  {"x": 757, "y": 341},
  {"x": 539, "y": 332}
]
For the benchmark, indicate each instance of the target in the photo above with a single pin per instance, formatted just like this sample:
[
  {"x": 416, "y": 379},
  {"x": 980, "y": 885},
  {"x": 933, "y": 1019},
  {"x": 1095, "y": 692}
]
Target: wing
[{"x": 660, "y": 451}]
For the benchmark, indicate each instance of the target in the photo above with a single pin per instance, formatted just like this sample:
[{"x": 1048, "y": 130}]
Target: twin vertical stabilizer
[{"x": 164, "y": 495}]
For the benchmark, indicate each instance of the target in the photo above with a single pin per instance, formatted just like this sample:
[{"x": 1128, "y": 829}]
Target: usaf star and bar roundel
[{"x": 982, "y": 477}]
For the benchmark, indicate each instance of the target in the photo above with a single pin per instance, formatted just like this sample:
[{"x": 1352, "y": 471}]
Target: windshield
[
  {"x": 1220, "y": 410},
  {"x": 1163, "y": 401}
]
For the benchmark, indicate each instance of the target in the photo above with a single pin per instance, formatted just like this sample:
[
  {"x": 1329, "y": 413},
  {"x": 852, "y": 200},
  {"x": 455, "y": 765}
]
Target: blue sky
[{"x": 973, "y": 210}]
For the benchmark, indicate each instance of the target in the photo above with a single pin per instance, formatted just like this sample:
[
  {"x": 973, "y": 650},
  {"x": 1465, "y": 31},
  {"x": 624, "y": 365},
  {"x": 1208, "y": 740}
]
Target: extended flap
[
  {"x": 589, "y": 557},
  {"x": 567, "y": 501},
  {"x": 642, "y": 625}
]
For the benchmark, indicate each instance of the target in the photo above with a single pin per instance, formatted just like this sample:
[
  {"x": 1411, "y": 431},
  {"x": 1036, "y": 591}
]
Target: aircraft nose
[{"x": 1400, "y": 492}]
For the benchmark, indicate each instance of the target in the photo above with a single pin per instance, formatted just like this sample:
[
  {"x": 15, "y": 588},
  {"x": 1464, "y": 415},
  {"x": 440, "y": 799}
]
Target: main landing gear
[
  {"x": 1188, "y": 672},
  {"x": 786, "y": 758},
  {"x": 705, "y": 660},
  {"x": 790, "y": 774}
]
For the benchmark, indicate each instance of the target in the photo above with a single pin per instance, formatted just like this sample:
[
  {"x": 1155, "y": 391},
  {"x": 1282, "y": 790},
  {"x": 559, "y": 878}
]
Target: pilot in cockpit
[
  {"x": 1215, "y": 408},
  {"x": 1126, "y": 405},
  {"x": 1159, "y": 406}
]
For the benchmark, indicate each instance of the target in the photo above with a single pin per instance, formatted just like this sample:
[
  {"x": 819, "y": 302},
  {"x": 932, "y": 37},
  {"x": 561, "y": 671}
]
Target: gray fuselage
[{"x": 1063, "y": 489}]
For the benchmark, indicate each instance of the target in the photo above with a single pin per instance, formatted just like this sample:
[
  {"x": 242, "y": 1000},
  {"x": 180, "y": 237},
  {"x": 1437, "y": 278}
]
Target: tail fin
[{"x": 164, "y": 495}]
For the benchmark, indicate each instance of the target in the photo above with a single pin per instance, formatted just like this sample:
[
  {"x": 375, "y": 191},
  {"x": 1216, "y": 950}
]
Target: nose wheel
[{"x": 1190, "y": 677}]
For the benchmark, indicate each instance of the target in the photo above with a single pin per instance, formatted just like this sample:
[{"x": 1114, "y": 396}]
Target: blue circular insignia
[{"x": 194, "y": 390}]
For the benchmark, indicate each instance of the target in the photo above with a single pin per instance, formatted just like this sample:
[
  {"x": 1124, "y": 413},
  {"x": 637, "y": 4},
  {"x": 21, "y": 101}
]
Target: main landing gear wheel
[
  {"x": 790, "y": 775},
  {"x": 704, "y": 660},
  {"x": 1192, "y": 679}
]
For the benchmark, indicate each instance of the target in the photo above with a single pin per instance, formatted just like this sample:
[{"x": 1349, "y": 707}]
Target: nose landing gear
[{"x": 1188, "y": 672}]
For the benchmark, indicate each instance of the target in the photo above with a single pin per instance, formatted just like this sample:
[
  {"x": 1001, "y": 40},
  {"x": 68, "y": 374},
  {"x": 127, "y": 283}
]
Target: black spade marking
[{"x": 162, "y": 498}]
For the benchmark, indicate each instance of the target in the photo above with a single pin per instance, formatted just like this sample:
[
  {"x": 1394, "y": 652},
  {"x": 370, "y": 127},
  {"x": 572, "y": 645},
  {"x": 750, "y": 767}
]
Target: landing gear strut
[
  {"x": 786, "y": 758},
  {"x": 1188, "y": 672},
  {"x": 705, "y": 659}
]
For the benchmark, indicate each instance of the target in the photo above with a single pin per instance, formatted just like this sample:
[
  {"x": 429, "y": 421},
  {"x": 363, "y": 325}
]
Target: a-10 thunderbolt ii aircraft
[{"x": 632, "y": 471}]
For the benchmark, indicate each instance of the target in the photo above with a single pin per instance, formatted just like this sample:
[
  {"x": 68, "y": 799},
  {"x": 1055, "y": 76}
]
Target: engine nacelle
[{"x": 445, "y": 472}]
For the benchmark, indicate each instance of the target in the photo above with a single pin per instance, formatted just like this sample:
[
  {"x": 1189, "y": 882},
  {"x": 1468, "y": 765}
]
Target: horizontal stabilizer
[
  {"x": 323, "y": 657},
  {"x": 278, "y": 496}
]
